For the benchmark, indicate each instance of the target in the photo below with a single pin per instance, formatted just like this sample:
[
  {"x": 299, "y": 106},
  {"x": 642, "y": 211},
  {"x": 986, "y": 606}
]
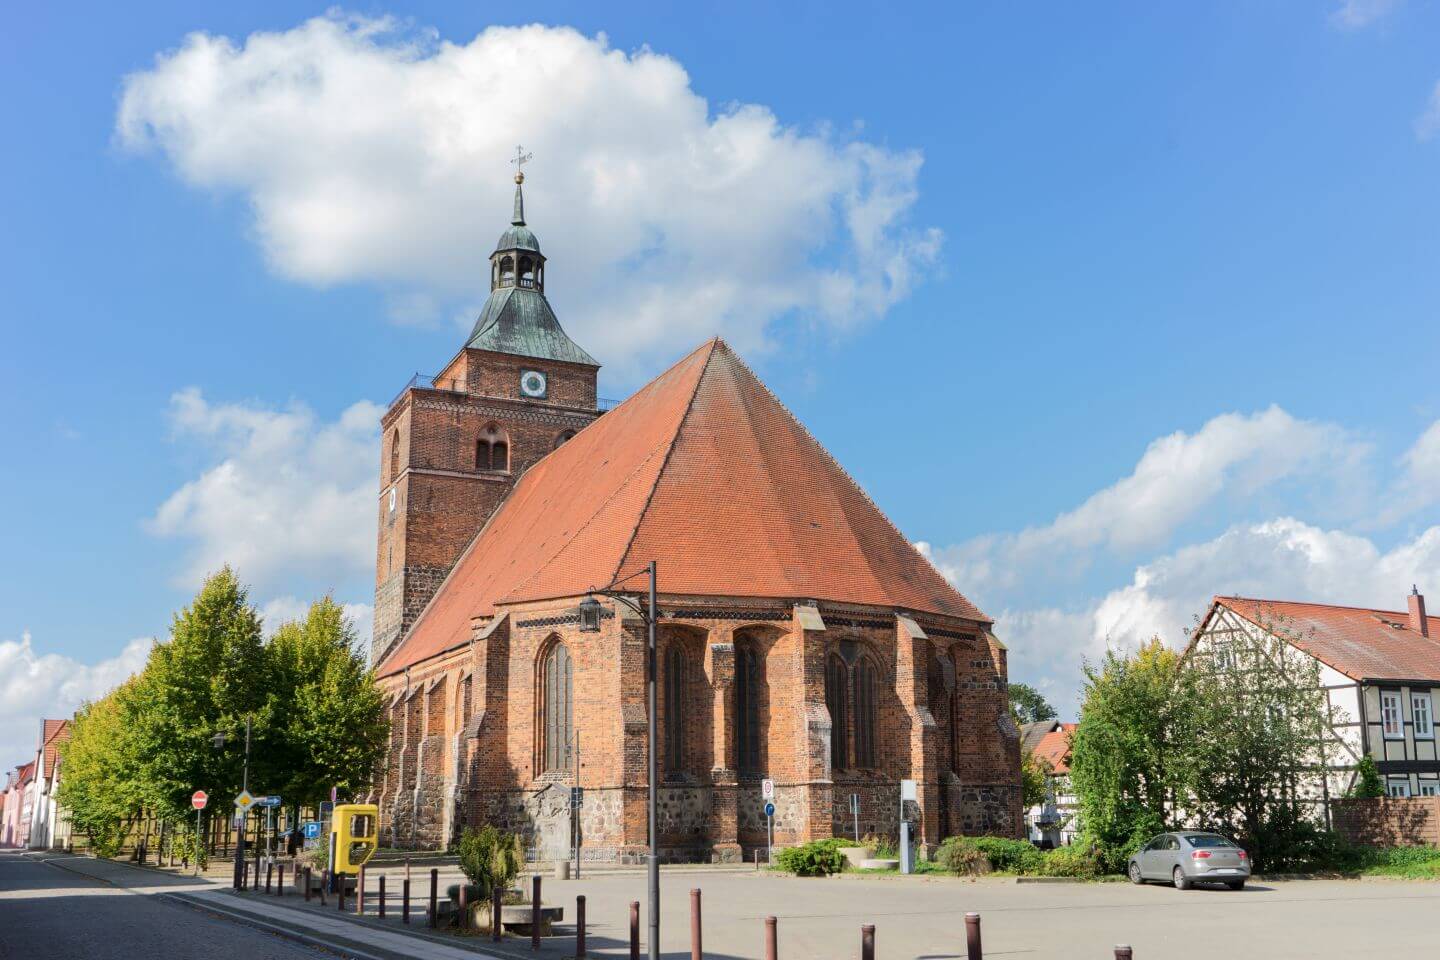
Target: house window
[
  {"x": 557, "y": 704},
  {"x": 674, "y": 709},
  {"x": 1391, "y": 720},
  {"x": 836, "y": 683},
  {"x": 1429, "y": 788},
  {"x": 1398, "y": 788},
  {"x": 747, "y": 709},
  {"x": 1421, "y": 715},
  {"x": 865, "y": 714},
  {"x": 1224, "y": 657}
]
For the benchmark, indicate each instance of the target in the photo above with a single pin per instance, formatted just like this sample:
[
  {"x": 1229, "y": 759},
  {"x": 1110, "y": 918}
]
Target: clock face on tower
[{"x": 533, "y": 384}]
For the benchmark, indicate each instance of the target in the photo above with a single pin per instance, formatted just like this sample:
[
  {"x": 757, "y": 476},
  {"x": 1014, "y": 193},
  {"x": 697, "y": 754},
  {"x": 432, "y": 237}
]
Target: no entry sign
[{"x": 198, "y": 799}]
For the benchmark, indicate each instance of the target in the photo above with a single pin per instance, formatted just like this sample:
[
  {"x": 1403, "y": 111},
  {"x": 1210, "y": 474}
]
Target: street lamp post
[
  {"x": 219, "y": 741},
  {"x": 590, "y": 623}
]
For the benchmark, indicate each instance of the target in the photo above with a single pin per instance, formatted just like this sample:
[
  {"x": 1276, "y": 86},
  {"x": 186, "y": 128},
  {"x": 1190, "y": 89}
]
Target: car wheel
[
  {"x": 1182, "y": 882},
  {"x": 1135, "y": 877},
  {"x": 1236, "y": 884}
]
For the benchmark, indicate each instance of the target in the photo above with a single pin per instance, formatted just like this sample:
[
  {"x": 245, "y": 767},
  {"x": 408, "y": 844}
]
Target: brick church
[{"x": 801, "y": 637}]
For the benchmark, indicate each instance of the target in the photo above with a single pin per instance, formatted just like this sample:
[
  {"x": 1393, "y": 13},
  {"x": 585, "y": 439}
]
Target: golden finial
[{"x": 519, "y": 160}]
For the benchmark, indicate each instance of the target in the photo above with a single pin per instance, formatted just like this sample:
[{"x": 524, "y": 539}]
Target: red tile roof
[
  {"x": 1360, "y": 642},
  {"x": 706, "y": 472},
  {"x": 1054, "y": 748},
  {"x": 56, "y": 733}
]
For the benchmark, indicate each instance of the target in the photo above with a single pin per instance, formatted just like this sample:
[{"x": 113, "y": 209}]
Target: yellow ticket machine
[{"x": 354, "y": 836}]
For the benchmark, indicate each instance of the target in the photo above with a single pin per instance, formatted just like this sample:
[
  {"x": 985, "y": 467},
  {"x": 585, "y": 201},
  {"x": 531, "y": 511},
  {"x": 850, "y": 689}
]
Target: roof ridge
[
  {"x": 1404, "y": 614},
  {"x": 709, "y": 345},
  {"x": 824, "y": 452}
]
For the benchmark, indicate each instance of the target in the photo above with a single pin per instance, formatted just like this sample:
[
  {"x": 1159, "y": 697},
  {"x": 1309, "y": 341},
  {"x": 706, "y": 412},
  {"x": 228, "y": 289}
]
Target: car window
[
  {"x": 1207, "y": 841},
  {"x": 1172, "y": 843},
  {"x": 1157, "y": 844}
]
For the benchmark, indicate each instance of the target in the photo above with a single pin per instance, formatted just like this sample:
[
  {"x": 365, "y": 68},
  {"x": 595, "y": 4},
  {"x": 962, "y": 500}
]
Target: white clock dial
[{"x": 533, "y": 383}]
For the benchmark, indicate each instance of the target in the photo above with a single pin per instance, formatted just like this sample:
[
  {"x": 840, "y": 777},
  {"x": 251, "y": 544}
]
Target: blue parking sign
[{"x": 312, "y": 830}]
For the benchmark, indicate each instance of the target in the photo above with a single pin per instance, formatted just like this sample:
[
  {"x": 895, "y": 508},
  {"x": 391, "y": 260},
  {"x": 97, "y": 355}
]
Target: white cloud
[
  {"x": 1427, "y": 125},
  {"x": 285, "y": 494},
  {"x": 372, "y": 154},
  {"x": 1358, "y": 14},
  {"x": 281, "y": 610},
  {"x": 1178, "y": 475},
  {"x": 34, "y": 686}
]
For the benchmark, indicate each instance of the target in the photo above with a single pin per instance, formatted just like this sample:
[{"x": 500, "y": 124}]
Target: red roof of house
[
  {"x": 1360, "y": 642},
  {"x": 25, "y": 774},
  {"x": 56, "y": 733},
  {"x": 1054, "y": 748},
  {"x": 704, "y": 471}
]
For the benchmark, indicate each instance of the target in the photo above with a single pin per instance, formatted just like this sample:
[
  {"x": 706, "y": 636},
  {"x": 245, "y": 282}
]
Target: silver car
[{"x": 1188, "y": 857}]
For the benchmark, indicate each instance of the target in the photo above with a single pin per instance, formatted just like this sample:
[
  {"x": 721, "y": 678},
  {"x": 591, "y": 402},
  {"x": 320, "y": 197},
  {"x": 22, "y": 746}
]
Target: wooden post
[
  {"x": 340, "y": 892},
  {"x": 497, "y": 905},
  {"x": 634, "y": 930},
  {"x": 1123, "y": 952},
  {"x": 867, "y": 942},
  {"x": 772, "y": 946},
  {"x": 324, "y": 882},
  {"x": 695, "y": 951},
  {"x": 360, "y": 892},
  {"x": 269, "y": 870},
  {"x": 972, "y": 937},
  {"x": 280, "y": 887},
  {"x": 580, "y": 927},
  {"x": 464, "y": 904},
  {"x": 434, "y": 885},
  {"x": 405, "y": 900},
  {"x": 382, "y": 896},
  {"x": 535, "y": 912},
  {"x": 307, "y": 884}
]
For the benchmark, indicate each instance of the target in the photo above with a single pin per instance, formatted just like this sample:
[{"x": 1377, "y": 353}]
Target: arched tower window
[
  {"x": 492, "y": 452},
  {"x": 837, "y": 689},
  {"x": 527, "y": 272},
  {"x": 507, "y": 271},
  {"x": 557, "y": 720},
  {"x": 866, "y": 714},
  {"x": 675, "y": 677},
  {"x": 394, "y": 454},
  {"x": 747, "y": 708}
]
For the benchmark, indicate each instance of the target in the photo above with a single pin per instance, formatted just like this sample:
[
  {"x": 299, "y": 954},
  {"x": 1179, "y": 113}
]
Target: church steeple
[{"x": 518, "y": 219}]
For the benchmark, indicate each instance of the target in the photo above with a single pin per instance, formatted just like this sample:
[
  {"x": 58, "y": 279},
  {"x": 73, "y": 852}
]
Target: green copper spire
[{"x": 518, "y": 219}]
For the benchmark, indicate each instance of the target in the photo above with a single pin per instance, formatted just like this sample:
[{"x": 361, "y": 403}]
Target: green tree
[
  {"x": 1029, "y": 705},
  {"x": 1033, "y": 774},
  {"x": 1367, "y": 784},
  {"x": 324, "y": 708},
  {"x": 102, "y": 788},
  {"x": 1123, "y": 758}
]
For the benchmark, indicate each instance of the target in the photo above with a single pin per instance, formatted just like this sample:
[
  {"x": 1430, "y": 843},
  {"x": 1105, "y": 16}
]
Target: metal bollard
[
  {"x": 269, "y": 869},
  {"x": 324, "y": 882},
  {"x": 405, "y": 900},
  {"x": 340, "y": 893},
  {"x": 280, "y": 887},
  {"x": 867, "y": 942},
  {"x": 1123, "y": 951},
  {"x": 580, "y": 927},
  {"x": 972, "y": 937},
  {"x": 634, "y": 930},
  {"x": 382, "y": 896},
  {"x": 695, "y": 951},
  {"x": 434, "y": 885},
  {"x": 772, "y": 946},
  {"x": 464, "y": 904},
  {"x": 535, "y": 912},
  {"x": 497, "y": 903},
  {"x": 307, "y": 884},
  {"x": 360, "y": 892}
]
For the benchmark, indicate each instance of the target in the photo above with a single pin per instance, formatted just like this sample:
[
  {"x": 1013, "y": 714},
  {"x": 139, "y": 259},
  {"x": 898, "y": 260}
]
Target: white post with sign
[
  {"x": 767, "y": 792},
  {"x": 907, "y": 792}
]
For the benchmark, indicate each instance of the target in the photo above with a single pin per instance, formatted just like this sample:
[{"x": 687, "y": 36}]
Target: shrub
[
  {"x": 971, "y": 855},
  {"x": 883, "y": 846},
  {"x": 1367, "y": 783},
  {"x": 489, "y": 858},
  {"x": 962, "y": 857},
  {"x": 817, "y": 858},
  {"x": 1070, "y": 862}
]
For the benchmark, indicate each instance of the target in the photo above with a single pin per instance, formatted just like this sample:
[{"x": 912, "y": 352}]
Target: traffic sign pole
[{"x": 198, "y": 799}]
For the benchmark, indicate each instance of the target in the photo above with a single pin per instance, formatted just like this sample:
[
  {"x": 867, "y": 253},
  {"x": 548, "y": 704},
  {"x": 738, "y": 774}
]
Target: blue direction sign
[
  {"x": 312, "y": 830},
  {"x": 271, "y": 801},
  {"x": 769, "y": 809}
]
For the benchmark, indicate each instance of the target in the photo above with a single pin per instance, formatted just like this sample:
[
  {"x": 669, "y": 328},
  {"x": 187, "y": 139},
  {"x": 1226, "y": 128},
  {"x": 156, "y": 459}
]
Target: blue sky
[{"x": 1112, "y": 309}]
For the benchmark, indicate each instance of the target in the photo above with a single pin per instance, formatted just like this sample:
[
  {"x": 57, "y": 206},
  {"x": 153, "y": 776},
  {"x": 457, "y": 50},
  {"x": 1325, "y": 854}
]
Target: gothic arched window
[
  {"x": 866, "y": 713},
  {"x": 557, "y": 720},
  {"x": 527, "y": 272},
  {"x": 507, "y": 271},
  {"x": 836, "y": 694},
  {"x": 492, "y": 452},
  {"x": 675, "y": 676},
  {"x": 394, "y": 454},
  {"x": 747, "y": 708}
]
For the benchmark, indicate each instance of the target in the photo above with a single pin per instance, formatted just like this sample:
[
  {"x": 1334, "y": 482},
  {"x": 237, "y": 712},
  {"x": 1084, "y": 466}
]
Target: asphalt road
[{"x": 46, "y": 912}]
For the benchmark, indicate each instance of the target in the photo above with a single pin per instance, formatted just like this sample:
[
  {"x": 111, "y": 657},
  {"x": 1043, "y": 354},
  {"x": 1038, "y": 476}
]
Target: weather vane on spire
[{"x": 519, "y": 160}]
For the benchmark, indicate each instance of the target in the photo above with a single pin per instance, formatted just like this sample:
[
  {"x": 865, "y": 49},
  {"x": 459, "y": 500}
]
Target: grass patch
[{"x": 1411, "y": 863}]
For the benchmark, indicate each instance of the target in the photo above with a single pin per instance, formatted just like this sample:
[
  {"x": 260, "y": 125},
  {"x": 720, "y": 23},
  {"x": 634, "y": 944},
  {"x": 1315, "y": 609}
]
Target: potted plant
[{"x": 490, "y": 859}]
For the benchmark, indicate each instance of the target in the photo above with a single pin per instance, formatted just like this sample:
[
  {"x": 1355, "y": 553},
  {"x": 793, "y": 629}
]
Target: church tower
[{"x": 453, "y": 445}]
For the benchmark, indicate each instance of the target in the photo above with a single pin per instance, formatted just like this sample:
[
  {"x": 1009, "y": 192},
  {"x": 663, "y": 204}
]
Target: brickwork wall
[
  {"x": 1388, "y": 821},
  {"x": 707, "y": 808},
  {"x": 498, "y": 375}
]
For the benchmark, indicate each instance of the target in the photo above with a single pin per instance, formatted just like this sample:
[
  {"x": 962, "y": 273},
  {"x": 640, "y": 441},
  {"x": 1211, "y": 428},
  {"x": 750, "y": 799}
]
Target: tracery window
[
  {"x": 866, "y": 714},
  {"x": 675, "y": 677},
  {"x": 747, "y": 708},
  {"x": 557, "y": 698},
  {"x": 837, "y": 689}
]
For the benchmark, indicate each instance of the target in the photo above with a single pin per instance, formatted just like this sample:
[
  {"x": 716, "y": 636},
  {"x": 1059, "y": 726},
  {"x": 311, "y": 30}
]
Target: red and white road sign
[{"x": 198, "y": 799}]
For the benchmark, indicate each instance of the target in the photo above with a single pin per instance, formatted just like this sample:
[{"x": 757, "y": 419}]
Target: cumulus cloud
[
  {"x": 282, "y": 610},
  {"x": 373, "y": 153},
  {"x": 1232, "y": 454},
  {"x": 34, "y": 686},
  {"x": 1358, "y": 14},
  {"x": 284, "y": 494},
  {"x": 1427, "y": 125}
]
